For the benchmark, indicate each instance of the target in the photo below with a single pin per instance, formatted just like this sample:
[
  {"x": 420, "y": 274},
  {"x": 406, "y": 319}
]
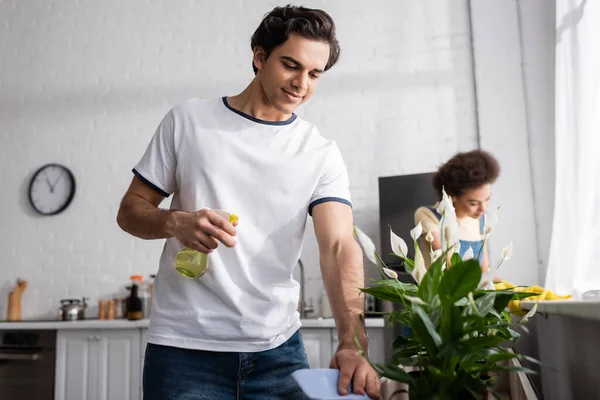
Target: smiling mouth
[{"x": 293, "y": 95}]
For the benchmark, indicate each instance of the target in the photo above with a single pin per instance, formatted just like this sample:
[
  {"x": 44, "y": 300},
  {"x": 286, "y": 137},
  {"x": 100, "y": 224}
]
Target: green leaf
[
  {"x": 459, "y": 280},
  {"x": 393, "y": 372},
  {"x": 384, "y": 293},
  {"x": 399, "y": 341},
  {"x": 421, "y": 334},
  {"x": 485, "y": 303},
  {"x": 452, "y": 324},
  {"x": 409, "y": 288},
  {"x": 402, "y": 317},
  {"x": 503, "y": 297},
  {"x": 502, "y": 356},
  {"x": 431, "y": 281},
  {"x": 435, "y": 336},
  {"x": 456, "y": 259},
  {"x": 483, "y": 341}
]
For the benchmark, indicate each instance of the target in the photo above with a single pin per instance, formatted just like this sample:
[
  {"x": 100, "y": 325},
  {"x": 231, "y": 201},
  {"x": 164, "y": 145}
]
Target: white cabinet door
[
  {"x": 143, "y": 333},
  {"x": 317, "y": 342},
  {"x": 98, "y": 364},
  {"x": 376, "y": 344}
]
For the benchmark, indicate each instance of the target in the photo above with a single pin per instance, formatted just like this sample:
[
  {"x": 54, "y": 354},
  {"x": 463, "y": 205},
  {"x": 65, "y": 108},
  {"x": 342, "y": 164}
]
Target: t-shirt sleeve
[
  {"x": 428, "y": 220},
  {"x": 158, "y": 164},
  {"x": 333, "y": 184}
]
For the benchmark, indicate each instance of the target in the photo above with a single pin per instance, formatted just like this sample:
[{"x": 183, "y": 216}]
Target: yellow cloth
[{"x": 515, "y": 307}]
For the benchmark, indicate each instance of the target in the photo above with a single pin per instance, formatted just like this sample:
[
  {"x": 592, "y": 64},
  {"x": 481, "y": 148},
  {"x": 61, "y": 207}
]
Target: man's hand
[
  {"x": 354, "y": 367},
  {"x": 202, "y": 230}
]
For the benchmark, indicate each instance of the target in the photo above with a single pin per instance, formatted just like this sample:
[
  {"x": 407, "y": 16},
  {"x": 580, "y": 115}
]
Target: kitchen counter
[
  {"x": 589, "y": 309},
  {"x": 68, "y": 325},
  {"x": 124, "y": 324}
]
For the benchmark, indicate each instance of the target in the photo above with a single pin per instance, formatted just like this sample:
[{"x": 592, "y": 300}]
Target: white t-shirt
[{"x": 270, "y": 174}]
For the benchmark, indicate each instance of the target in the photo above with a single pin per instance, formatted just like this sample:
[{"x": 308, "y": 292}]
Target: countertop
[
  {"x": 589, "y": 309},
  {"x": 125, "y": 324}
]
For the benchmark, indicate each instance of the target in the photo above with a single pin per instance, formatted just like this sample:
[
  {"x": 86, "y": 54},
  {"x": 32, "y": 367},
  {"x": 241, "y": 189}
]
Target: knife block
[{"x": 14, "y": 301}]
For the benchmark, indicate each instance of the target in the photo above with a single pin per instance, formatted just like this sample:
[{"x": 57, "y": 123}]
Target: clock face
[{"x": 51, "y": 189}]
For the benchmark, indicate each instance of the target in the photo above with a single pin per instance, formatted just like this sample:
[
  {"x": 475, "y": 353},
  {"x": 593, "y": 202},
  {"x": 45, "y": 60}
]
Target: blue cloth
[
  {"x": 171, "y": 373},
  {"x": 476, "y": 245},
  {"x": 322, "y": 384}
]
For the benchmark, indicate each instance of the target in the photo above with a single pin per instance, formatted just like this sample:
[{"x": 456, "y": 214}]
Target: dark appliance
[
  {"x": 399, "y": 198},
  {"x": 27, "y": 364}
]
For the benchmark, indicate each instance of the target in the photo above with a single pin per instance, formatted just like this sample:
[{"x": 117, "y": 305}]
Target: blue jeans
[{"x": 171, "y": 373}]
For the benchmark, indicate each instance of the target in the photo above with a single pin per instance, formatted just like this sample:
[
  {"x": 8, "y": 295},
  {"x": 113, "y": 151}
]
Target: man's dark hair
[
  {"x": 466, "y": 171},
  {"x": 312, "y": 24}
]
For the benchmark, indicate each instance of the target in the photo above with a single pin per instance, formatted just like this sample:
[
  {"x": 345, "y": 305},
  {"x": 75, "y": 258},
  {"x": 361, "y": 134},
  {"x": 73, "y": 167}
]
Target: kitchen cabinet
[
  {"x": 321, "y": 343},
  {"x": 376, "y": 344},
  {"x": 317, "y": 343},
  {"x": 98, "y": 364}
]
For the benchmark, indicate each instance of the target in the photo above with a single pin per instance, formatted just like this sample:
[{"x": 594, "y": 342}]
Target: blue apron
[{"x": 476, "y": 245}]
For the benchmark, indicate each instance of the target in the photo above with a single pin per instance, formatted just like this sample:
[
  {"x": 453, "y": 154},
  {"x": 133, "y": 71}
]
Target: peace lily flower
[
  {"x": 367, "y": 244},
  {"x": 417, "y": 231},
  {"x": 399, "y": 246},
  {"x": 429, "y": 237},
  {"x": 507, "y": 251},
  {"x": 450, "y": 238},
  {"x": 449, "y": 230},
  {"x": 436, "y": 254},
  {"x": 446, "y": 206},
  {"x": 390, "y": 273},
  {"x": 416, "y": 300},
  {"x": 490, "y": 222},
  {"x": 468, "y": 254},
  {"x": 419, "y": 270}
]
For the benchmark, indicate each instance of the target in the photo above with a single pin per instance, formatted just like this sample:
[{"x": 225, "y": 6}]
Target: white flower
[
  {"x": 451, "y": 234},
  {"x": 390, "y": 273},
  {"x": 398, "y": 245},
  {"x": 417, "y": 231},
  {"x": 449, "y": 231},
  {"x": 490, "y": 222},
  {"x": 487, "y": 281},
  {"x": 429, "y": 237},
  {"x": 468, "y": 254},
  {"x": 366, "y": 243},
  {"x": 446, "y": 206},
  {"x": 507, "y": 251},
  {"x": 419, "y": 270},
  {"x": 436, "y": 254},
  {"x": 416, "y": 300}
]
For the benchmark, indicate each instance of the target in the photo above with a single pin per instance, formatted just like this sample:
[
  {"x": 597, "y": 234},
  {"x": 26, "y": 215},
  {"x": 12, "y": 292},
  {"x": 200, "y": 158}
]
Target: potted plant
[{"x": 459, "y": 328}]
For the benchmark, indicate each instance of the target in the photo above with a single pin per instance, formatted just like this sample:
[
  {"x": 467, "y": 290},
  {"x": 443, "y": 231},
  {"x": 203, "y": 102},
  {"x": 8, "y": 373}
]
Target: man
[{"x": 233, "y": 333}]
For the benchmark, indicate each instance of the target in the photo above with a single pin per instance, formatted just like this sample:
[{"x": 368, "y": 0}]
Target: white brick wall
[{"x": 84, "y": 83}]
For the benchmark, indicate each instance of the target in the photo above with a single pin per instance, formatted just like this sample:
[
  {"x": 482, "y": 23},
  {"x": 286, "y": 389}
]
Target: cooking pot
[{"x": 71, "y": 309}]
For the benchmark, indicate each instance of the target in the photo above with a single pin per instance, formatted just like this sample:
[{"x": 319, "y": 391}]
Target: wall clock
[{"x": 51, "y": 189}]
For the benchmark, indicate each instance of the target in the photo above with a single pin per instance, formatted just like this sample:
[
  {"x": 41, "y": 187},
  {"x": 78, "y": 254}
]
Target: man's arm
[
  {"x": 343, "y": 276},
  {"x": 140, "y": 216}
]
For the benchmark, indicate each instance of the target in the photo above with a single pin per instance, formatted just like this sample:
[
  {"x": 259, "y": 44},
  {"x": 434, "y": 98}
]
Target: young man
[{"x": 233, "y": 333}]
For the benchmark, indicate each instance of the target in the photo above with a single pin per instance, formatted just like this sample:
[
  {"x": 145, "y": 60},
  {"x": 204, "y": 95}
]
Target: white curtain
[{"x": 574, "y": 262}]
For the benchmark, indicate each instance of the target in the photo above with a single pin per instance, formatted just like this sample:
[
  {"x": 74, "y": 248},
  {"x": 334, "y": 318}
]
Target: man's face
[{"x": 290, "y": 74}]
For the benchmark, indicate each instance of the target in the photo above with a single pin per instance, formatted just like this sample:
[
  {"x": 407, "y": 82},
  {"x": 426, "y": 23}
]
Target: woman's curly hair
[{"x": 466, "y": 171}]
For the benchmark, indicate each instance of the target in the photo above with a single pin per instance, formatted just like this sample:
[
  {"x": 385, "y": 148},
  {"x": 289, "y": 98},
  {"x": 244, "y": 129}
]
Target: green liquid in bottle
[{"x": 191, "y": 263}]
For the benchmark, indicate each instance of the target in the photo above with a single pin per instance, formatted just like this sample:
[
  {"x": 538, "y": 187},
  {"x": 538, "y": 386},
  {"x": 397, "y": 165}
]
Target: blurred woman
[{"x": 467, "y": 178}]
